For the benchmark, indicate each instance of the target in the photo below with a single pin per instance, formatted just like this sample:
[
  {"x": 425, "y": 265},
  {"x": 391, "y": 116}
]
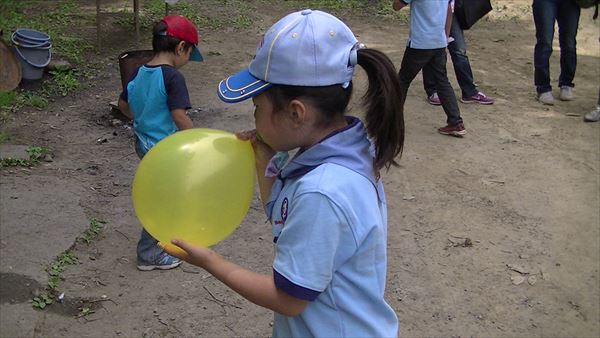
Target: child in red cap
[{"x": 157, "y": 98}]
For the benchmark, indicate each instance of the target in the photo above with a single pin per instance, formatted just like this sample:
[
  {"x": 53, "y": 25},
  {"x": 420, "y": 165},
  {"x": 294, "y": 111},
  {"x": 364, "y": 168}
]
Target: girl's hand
[
  {"x": 195, "y": 255},
  {"x": 262, "y": 151}
]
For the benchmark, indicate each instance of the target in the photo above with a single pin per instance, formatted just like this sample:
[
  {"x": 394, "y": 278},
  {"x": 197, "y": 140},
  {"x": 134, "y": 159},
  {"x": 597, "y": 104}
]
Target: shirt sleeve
[
  {"x": 124, "y": 94},
  {"x": 314, "y": 238},
  {"x": 177, "y": 93}
]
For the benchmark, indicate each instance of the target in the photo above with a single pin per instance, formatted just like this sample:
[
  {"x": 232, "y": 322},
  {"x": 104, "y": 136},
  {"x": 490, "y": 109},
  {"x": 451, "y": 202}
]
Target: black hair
[
  {"x": 163, "y": 43},
  {"x": 383, "y": 102}
]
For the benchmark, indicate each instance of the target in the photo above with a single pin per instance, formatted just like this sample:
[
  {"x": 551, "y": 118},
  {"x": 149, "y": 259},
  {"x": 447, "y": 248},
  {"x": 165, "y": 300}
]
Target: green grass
[
  {"x": 223, "y": 14},
  {"x": 57, "y": 19},
  {"x": 54, "y": 18},
  {"x": 58, "y": 266},
  {"x": 36, "y": 154},
  {"x": 54, "y": 270}
]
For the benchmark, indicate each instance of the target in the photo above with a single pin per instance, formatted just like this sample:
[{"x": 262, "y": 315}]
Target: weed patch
[
  {"x": 58, "y": 266},
  {"x": 36, "y": 154},
  {"x": 54, "y": 271},
  {"x": 90, "y": 233}
]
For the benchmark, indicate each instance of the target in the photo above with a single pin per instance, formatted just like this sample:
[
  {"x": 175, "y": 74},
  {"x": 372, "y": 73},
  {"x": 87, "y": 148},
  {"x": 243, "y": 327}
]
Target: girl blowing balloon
[{"x": 326, "y": 204}]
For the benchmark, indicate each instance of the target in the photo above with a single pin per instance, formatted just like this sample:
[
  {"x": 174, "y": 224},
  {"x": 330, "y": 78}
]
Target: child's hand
[
  {"x": 262, "y": 151},
  {"x": 196, "y": 255}
]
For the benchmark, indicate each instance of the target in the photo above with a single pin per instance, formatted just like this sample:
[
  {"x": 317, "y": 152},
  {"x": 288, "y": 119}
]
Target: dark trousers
[
  {"x": 545, "y": 14},
  {"x": 435, "y": 59},
  {"x": 460, "y": 61}
]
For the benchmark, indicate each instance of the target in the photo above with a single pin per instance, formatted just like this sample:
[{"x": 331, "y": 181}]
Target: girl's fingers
[
  {"x": 246, "y": 135},
  {"x": 175, "y": 250}
]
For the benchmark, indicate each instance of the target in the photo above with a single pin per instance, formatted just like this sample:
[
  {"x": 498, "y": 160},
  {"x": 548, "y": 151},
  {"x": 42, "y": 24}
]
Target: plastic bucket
[
  {"x": 129, "y": 61},
  {"x": 32, "y": 49},
  {"x": 33, "y": 61},
  {"x": 34, "y": 36}
]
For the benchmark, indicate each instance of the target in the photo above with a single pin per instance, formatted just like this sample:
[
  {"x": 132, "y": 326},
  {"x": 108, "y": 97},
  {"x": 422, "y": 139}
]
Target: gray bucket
[{"x": 32, "y": 49}]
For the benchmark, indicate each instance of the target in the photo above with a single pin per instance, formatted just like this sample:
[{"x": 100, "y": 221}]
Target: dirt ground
[{"x": 523, "y": 187}]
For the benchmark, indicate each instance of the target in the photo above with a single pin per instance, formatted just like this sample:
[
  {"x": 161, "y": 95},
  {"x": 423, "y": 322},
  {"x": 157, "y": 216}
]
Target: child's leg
[
  {"x": 445, "y": 92},
  {"x": 147, "y": 248},
  {"x": 150, "y": 256}
]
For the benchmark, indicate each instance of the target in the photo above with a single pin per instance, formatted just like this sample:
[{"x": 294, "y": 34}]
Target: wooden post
[
  {"x": 136, "y": 20},
  {"x": 98, "y": 24}
]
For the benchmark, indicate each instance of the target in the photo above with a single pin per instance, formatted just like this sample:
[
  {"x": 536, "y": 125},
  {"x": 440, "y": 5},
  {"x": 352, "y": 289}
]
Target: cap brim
[
  {"x": 241, "y": 86},
  {"x": 195, "y": 54}
]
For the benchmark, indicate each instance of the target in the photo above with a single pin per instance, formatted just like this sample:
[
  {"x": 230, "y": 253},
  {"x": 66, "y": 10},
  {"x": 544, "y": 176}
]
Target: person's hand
[
  {"x": 398, "y": 5},
  {"x": 195, "y": 255},
  {"x": 262, "y": 151}
]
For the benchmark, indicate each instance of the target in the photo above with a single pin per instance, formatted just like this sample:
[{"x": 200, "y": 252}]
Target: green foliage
[
  {"x": 35, "y": 155},
  {"x": 64, "y": 82},
  {"x": 90, "y": 233},
  {"x": 85, "y": 311},
  {"x": 32, "y": 99},
  {"x": 54, "y": 269},
  {"x": 55, "y": 18},
  {"x": 4, "y": 137},
  {"x": 7, "y": 98},
  {"x": 60, "y": 263},
  {"x": 40, "y": 302},
  {"x": 230, "y": 13}
]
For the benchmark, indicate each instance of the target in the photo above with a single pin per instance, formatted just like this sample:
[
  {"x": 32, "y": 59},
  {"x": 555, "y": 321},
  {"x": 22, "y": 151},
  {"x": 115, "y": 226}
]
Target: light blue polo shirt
[
  {"x": 330, "y": 228},
  {"x": 427, "y": 24}
]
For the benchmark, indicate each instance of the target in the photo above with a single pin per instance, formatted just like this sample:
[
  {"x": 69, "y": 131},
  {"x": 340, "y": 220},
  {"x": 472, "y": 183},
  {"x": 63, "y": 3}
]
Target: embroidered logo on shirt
[{"x": 284, "y": 209}]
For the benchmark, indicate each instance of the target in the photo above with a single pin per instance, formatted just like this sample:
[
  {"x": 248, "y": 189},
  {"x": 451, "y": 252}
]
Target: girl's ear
[{"x": 297, "y": 112}]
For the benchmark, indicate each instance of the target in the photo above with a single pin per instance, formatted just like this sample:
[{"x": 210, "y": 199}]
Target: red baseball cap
[{"x": 183, "y": 29}]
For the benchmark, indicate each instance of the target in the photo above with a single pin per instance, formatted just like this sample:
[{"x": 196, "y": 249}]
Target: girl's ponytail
[{"x": 384, "y": 106}]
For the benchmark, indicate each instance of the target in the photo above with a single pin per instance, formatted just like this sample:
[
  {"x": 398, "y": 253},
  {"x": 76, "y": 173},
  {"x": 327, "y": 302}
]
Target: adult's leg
[
  {"x": 544, "y": 15},
  {"x": 568, "y": 21},
  {"x": 412, "y": 62},
  {"x": 428, "y": 81},
  {"x": 460, "y": 60},
  {"x": 445, "y": 92}
]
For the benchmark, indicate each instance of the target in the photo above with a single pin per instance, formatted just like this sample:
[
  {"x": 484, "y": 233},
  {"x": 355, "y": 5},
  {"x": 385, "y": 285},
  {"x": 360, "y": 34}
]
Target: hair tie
[{"x": 353, "y": 60}]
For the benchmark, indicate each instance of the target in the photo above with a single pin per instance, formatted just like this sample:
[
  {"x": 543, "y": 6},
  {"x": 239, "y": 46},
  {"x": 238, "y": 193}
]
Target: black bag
[
  {"x": 587, "y": 3},
  {"x": 468, "y": 12}
]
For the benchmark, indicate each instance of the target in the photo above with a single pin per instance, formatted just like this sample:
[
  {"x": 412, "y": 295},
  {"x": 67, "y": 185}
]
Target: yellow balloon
[{"x": 195, "y": 185}]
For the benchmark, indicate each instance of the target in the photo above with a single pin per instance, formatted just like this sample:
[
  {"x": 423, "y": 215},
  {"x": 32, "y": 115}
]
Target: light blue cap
[{"x": 305, "y": 48}]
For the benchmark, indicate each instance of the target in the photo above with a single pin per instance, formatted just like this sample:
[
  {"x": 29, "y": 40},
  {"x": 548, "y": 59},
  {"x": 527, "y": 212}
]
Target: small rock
[
  {"x": 531, "y": 280},
  {"x": 517, "y": 280},
  {"x": 48, "y": 158}
]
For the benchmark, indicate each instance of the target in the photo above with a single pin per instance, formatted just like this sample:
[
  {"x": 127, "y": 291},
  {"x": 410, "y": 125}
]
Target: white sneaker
[
  {"x": 546, "y": 98},
  {"x": 593, "y": 116},
  {"x": 566, "y": 93}
]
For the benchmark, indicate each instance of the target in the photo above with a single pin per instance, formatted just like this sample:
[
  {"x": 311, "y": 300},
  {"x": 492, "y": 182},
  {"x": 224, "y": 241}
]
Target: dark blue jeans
[
  {"x": 416, "y": 59},
  {"x": 460, "y": 61},
  {"x": 545, "y": 14},
  {"x": 148, "y": 250}
]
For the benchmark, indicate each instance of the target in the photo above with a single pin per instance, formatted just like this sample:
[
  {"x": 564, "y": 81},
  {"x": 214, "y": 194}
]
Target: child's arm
[
  {"x": 124, "y": 108},
  {"x": 257, "y": 288},
  {"x": 398, "y": 5},
  {"x": 449, "y": 18},
  {"x": 182, "y": 121}
]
